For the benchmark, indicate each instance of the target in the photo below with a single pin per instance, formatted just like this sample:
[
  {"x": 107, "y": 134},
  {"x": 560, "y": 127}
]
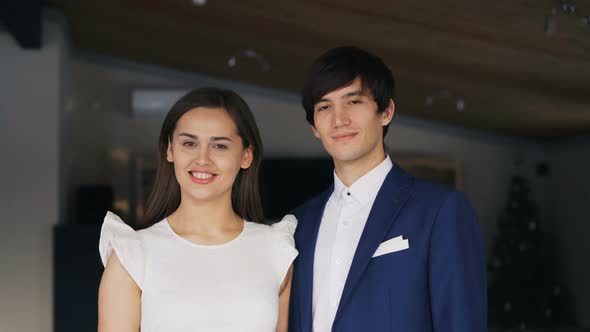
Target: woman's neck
[{"x": 211, "y": 216}]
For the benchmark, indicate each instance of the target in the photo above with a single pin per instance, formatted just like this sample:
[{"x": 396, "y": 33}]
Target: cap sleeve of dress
[
  {"x": 285, "y": 244},
  {"x": 118, "y": 236}
]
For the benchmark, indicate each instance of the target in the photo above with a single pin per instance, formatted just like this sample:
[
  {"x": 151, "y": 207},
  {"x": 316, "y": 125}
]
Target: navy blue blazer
[{"x": 437, "y": 284}]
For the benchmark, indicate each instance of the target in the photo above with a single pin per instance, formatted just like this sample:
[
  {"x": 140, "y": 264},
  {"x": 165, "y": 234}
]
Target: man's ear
[
  {"x": 169, "y": 155},
  {"x": 315, "y": 132},
  {"x": 387, "y": 115},
  {"x": 247, "y": 158}
]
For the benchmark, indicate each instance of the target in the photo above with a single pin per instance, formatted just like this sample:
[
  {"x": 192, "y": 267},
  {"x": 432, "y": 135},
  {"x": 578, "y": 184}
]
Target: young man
[{"x": 379, "y": 250}]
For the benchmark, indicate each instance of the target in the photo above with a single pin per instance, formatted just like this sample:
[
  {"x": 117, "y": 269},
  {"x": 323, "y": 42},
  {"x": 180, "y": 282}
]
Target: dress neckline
[{"x": 212, "y": 246}]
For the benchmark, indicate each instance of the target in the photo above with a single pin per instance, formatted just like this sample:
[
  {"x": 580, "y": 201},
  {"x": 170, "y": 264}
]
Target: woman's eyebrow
[
  {"x": 189, "y": 135},
  {"x": 213, "y": 139},
  {"x": 220, "y": 138}
]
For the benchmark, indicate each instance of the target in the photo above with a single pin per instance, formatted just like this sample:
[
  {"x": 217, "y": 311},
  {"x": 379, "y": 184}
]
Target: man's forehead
[{"x": 354, "y": 88}]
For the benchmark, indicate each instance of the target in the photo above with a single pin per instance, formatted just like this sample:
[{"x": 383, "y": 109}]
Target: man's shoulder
[
  {"x": 427, "y": 192},
  {"x": 434, "y": 195},
  {"x": 432, "y": 188}
]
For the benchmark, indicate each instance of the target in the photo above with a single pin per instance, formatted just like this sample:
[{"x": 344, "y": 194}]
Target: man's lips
[{"x": 343, "y": 136}]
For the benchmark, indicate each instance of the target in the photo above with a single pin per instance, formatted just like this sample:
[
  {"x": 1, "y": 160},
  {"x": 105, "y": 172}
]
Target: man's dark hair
[{"x": 338, "y": 68}]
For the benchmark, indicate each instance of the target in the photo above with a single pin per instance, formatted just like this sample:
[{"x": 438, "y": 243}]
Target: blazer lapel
[
  {"x": 309, "y": 228},
  {"x": 391, "y": 197}
]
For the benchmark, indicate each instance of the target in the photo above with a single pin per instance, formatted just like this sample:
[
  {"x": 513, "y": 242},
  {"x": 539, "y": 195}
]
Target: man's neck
[{"x": 350, "y": 171}]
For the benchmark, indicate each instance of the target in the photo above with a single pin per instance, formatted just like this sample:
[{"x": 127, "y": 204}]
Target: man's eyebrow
[{"x": 358, "y": 93}]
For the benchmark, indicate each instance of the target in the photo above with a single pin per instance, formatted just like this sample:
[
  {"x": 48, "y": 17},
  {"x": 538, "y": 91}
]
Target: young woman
[{"x": 204, "y": 262}]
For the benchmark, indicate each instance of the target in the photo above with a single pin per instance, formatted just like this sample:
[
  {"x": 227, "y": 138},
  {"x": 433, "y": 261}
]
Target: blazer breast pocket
[{"x": 392, "y": 245}]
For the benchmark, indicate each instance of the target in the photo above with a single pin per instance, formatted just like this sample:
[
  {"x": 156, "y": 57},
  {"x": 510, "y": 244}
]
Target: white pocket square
[{"x": 397, "y": 243}]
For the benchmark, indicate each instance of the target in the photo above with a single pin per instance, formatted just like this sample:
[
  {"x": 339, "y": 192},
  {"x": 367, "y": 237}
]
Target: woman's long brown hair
[{"x": 245, "y": 196}]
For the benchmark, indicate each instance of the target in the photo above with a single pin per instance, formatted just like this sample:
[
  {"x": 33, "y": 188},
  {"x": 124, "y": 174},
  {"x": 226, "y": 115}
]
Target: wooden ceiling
[{"x": 494, "y": 56}]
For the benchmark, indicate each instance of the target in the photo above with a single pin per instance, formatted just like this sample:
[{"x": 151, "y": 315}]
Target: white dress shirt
[{"x": 340, "y": 230}]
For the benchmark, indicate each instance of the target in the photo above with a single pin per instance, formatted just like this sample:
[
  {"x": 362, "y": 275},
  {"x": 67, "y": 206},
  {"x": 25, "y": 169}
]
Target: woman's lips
[{"x": 202, "y": 177}]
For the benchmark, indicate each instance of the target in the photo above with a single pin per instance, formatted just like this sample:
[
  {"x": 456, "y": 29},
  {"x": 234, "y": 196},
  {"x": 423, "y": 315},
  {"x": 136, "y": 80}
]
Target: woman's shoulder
[
  {"x": 284, "y": 245},
  {"x": 116, "y": 236},
  {"x": 285, "y": 226},
  {"x": 114, "y": 225}
]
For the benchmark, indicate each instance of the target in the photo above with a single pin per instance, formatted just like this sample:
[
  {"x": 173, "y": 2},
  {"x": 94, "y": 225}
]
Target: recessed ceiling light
[
  {"x": 232, "y": 61},
  {"x": 460, "y": 105},
  {"x": 199, "y": 2}
]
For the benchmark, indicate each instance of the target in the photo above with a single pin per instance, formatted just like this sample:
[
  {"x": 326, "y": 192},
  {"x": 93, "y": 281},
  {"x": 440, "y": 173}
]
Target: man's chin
[{"x": 344, "y": 156}]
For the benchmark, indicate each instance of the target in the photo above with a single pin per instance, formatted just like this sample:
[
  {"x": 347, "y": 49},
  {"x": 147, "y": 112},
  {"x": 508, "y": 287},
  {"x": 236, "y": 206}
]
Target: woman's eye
[
  {"x": 188, "y": 144},
  {"x": 356, "y": 101},
  {"x": 220, "y": 146}
]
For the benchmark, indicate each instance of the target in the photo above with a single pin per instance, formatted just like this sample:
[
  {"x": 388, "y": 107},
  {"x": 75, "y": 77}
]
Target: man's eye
[
  {"x": 356, "y": 101},
  {"x": 323, "y": 108}
]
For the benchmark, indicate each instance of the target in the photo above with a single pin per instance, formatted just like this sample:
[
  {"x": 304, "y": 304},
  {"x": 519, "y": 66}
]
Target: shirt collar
[{"x": 365, "y": 189}]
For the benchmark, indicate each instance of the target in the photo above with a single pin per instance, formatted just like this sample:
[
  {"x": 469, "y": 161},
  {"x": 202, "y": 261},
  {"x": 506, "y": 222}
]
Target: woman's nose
[{"x": 203, "y": 155}]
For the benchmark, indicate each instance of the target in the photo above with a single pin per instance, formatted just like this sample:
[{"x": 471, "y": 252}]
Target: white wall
[
  {"x": 29, "y": 190},
  {"x": 570, "y": 201}
]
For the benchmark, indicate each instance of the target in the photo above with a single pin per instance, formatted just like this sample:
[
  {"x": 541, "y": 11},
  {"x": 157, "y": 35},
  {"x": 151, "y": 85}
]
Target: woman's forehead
[{"x": 206, "y": 121}]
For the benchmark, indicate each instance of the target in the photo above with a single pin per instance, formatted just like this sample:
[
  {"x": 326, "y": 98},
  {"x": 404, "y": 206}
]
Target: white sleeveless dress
[{"x": 189, "y": 287}]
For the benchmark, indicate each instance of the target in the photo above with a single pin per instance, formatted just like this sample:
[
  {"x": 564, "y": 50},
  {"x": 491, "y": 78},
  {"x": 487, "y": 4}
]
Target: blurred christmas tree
[{"x": 523, "y": 289}]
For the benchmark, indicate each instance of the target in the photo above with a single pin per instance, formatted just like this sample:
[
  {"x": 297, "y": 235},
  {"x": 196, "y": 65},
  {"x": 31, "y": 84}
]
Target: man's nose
[{"x": 341, "y": 117}]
